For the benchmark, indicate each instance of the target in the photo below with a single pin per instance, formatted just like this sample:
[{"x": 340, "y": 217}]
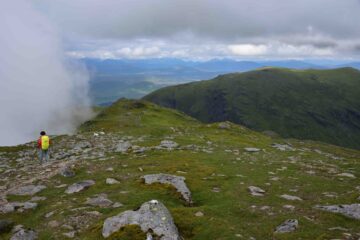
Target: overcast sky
[{"x": 201, "y": 29}]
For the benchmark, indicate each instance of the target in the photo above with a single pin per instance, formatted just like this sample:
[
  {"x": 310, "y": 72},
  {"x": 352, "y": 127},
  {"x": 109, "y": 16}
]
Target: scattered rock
[
  {"x": 289, "y": 225},
  {"x": 282, "y": 147},
  {"x": 168, "y": 144},
  {"x": 6, "y": 225},
  {"x": 69, "y": 234},
  {"x": 349, "y": 175},
  {"x": 53, "y": 224},
  {"x": 123, "y": 147},
  {"x": 350, "y": 210},
  {"x": 290, "y": 197},
  {"x": 177, "y": 181},
  {"x": 30, "y": 205},
  {"x": 99, "y": 201},
  {"x": 80, "y": 186},
  {"x": 7, "y": 208},
  {"x": 110, "y": 169},
  {"x": 224, "y": 125},
  {"x": 117, "y": 204},
  {"x": 67, "y": 172},
  {"x": 24, "y": 234},
  {"x": 256, "y": 191},
  {"x": 27, "y": 190},
  {"x": 289, "y": 207},
  {"x": 152, "y": 216},
  {"x": 36, "y": 199},
  {"x": 111, "y": 181},
  {"x": 216, "y": 189},
  {"x": 199, "y": 214},
  {"x": 250, "y": 149}
]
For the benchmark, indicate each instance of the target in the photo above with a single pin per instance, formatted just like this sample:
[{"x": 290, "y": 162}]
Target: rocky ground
[{"x": 139, "y": 171}]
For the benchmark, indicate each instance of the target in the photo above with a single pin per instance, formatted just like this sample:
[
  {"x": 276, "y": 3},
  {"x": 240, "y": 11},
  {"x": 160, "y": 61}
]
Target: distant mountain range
[
  {"x": 306, "y": 104},
  {"x": 113, "y": 79}
]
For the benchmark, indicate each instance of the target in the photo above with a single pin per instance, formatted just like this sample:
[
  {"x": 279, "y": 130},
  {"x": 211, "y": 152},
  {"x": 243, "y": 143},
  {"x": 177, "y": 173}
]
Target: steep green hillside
[
  {"x": 306, "y": 104},
  {"x": 218, "y": 167}
]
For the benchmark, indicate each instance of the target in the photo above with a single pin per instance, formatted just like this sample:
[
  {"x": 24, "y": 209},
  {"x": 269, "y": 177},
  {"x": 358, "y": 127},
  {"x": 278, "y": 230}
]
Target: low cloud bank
[{"x": 40, "y": 89}]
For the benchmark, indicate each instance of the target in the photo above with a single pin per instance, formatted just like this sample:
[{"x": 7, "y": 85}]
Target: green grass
[
  {"x": 321, "y": 105},
  {"x": 227, "y": 213}
]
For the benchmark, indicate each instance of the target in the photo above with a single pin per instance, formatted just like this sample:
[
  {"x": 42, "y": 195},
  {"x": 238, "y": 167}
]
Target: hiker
[{"x": 43, "y": 145}]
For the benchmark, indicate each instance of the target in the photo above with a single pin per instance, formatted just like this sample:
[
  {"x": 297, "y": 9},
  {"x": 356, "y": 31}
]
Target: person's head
[{"x": 42, "y": 133}]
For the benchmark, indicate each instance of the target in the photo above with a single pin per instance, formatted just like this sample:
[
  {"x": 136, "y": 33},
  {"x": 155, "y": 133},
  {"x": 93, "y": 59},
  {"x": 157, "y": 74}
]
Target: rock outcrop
[
  {"x": 349, "y": 210},
  {"x": 152, "y": 216},
  {"x": 176, "y": 181}
]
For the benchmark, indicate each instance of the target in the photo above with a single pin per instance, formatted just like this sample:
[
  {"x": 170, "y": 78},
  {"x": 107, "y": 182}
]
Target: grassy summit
[
  {"x": 218, "y": 172},
  {"x": 321, "y": 105}
]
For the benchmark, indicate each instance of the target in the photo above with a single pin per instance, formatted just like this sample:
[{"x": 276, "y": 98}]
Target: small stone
[
  {"x": 289, "y": 225},
  {"x": 69, "y": 234},
  {"x": 27, "y": 190},
  {"x": 199, "y": 214},
  {"x": 30, "y": 205},
  {"x": 49, "y": 214},
  {"x": 53, "y": 224},
  {"x": 117, "y": 205},
  {"x": 289, "y": 207},
  {"x": 290, "y": 197},
  {"x": 111, "y": 181},
  {"x": 168, "y": 144},
  {"x": 349, "y": 175},
  {"x": 67, "y": 172},
  {"x": 110, "y": 169},
  {"x": 123, "y": 147},
  {"x": 80, "y": 186},
  {"x": 256, "y": 191},
  {"x": 250, "y": 149},
  {"x": 224, "y": 125},
  {"x": 24, "y": 234},
  {"x": 36, "y": 199},
  {"x": 99, "y": 201},
  {"x": 216, "y": 189}
]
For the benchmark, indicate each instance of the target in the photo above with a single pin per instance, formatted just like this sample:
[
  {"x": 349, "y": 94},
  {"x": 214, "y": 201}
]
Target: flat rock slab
[
  {"x": 123, "y": 147},
  {"x": 349, "y": 175},
  {"x": 177, "y": 181},
  {"x": 99, "y": 201},
  {"x": 151, "y": 216},
  {"x": 282, "y": 147},
  {"x": 256, "y": 191},
  {"x": 349, "y": 210},
  {"x": 24, "y": 234},
  {"x": 168, "y": 144},
  {"x": 27, "y": 190},
  {"x": 290, "y": 197},
  {"x": 80, "y": 186},
  {"x": 250, "y": 149},
  {"x": 289, "y": 225}
]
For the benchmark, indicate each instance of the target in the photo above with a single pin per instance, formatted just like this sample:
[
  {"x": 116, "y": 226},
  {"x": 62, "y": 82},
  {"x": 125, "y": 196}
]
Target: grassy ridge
[
  {"x": 308, "y": 171},
  {"x": 307, "y": 104}
]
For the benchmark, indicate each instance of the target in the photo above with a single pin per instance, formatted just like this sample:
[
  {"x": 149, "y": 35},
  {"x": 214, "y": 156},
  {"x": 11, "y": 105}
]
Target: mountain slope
[
  {"x": 307, "y": 104},
  {"x": 218, "y": 168}
]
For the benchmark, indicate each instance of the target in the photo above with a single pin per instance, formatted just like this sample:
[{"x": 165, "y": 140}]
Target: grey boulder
[
  {"x": 350, "y": 210},
  {"x": 24, "y": 234},
  {"x": 151, "y": 216},
  {"x": 123, "y": 147},
  {"x": 99, "y": 201},
  {"x": 176, "y": 181},
  {"x": 27, "y": 190},
  {"x": 80, "y": 186},
  {"x": 289, "y": 225}
]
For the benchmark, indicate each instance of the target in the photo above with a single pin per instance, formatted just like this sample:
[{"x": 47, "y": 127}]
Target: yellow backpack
[{"x": 45, "y": 142}]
